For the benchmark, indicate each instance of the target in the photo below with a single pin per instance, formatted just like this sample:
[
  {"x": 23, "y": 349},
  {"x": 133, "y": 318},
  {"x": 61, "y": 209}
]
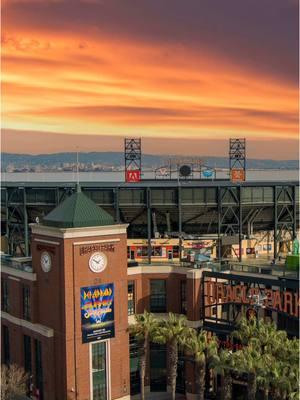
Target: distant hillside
[{"x": 117, "y": 159}]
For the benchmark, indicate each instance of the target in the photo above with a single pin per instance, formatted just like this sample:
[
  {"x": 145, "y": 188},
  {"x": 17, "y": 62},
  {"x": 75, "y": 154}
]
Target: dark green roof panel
[{"x": 78, "y": 211}]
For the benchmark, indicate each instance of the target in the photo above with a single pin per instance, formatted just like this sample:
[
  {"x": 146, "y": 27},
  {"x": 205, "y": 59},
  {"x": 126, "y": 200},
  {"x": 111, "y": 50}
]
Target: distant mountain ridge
[{"x": 117, "y": 159}]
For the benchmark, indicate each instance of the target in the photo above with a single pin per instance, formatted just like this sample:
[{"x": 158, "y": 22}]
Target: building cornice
[
  {"x": 37, "y": 328},
  {"x": 70, "y": 233},
  {"x": 157, "y": 269},
  {"x": 30, "y": 276},
  {"x": 190, "y": 273}
]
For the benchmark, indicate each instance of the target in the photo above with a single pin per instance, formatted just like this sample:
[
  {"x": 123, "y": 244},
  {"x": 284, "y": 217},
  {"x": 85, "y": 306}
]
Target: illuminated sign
[
  {"x": 237, "y": 175},
  {"x": 97, "y": 312},
  {"x": 217, "y": 293},
  {"x": 133, "y": 175}
]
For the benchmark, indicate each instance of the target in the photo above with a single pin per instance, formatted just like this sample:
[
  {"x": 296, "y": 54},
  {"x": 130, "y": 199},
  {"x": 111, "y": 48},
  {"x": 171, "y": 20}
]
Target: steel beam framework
[
  {"x": 133, "y": 154},
  {"x": 221, "y": 209},
  {"x": 237, "y": 155}
]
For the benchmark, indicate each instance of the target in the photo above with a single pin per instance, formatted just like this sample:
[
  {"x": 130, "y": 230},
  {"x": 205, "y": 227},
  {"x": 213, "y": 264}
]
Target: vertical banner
[{"x": 97, "y": 312}]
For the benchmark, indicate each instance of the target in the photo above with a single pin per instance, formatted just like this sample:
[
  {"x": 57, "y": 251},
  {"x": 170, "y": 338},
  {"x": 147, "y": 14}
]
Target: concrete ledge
[
  {"x": 30, "y": 276},
  {"x": 38, "y": 328},
  {"x": 157, "y": 269}
]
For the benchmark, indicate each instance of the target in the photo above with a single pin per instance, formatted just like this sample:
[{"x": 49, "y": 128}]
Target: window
[
  {"x": 26, "y": 303},
  {"x": 134, "y": 366},
  {"x": 158, "y": 367},
  {"x": 183, "y": 296},
  {"x": 39, "y": 368},
  {"x": 176, "y": 251},
  {"x": 131, "y": 299},
  {"x": 4, "y": 297},
  {"x": 158, "y": 301},
  {"x": 142, "y": 251},
  {"x": 156, "y": 251},
  {"x": 6, "y": 353},
  {"x": 27, "y": 354},
  {"x": 99, "y": 387}
]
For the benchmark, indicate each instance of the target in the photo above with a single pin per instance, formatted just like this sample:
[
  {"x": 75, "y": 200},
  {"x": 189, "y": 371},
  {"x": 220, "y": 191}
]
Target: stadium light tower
[
  {"x": 133, "y": 159},
  {"x": 237, "y": 159}
]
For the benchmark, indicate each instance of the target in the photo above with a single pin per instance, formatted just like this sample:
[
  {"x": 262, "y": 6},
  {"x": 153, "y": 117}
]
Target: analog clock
[
  {"x": 46, "y": 261},
  {"x": 98, "y": 262}
]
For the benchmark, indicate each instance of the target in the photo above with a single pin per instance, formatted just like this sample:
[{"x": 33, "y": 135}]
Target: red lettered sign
[{"x": 133, "y": 176}]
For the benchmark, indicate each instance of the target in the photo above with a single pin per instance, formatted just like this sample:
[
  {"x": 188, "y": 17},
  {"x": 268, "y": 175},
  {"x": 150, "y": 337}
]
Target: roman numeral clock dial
[{"x": 98, "y": 262}]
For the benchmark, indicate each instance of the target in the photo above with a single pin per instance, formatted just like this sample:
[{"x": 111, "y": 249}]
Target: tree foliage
[{"x": 13, "y": 381}]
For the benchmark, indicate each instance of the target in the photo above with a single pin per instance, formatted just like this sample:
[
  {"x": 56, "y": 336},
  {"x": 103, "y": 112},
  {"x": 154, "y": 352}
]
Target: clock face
[
  {"x": 98, "y": 262},
  {"x": 46, "y": 261}
]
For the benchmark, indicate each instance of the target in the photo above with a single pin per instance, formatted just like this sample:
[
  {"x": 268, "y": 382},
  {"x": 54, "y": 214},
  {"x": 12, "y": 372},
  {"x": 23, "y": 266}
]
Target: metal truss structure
[
  {"x": 237, "y": 155},
  {"x": 133, "y": 154},
  {"x": 188, "y": 209}
]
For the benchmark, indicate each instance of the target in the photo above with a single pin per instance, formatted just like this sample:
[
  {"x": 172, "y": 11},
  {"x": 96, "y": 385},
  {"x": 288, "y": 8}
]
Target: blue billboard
[{"x": 97, "y": 312}]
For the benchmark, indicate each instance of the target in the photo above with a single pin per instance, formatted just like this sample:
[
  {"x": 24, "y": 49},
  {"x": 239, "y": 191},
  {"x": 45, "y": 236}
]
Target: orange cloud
[{"x": 79, "y": 84}]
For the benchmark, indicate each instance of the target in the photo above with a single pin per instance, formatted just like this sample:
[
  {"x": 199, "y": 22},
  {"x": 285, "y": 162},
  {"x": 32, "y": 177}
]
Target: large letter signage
[
  {"x": 217, "y": 293},
  {"x": 97, "y": 312}
]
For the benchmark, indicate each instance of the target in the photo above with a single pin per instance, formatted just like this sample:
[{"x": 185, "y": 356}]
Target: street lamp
[{"x": 258, "y": 302}]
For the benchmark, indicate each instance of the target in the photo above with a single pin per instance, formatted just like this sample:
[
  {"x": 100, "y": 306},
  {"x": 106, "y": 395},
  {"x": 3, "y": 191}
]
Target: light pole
[{"x": 258, "y": 302}]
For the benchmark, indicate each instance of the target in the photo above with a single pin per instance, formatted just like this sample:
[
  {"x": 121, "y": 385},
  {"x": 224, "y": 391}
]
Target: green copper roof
[{"x": 78, "y": 211}]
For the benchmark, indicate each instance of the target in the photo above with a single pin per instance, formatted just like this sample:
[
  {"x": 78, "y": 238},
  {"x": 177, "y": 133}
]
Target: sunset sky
[{"x": 192, "y": 73}]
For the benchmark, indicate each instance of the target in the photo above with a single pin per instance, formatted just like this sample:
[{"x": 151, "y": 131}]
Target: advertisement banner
[
  {"x": 97, "y": 312},
  {"x": 133, "y": 176},
  {"x": 238, "y": 175}
]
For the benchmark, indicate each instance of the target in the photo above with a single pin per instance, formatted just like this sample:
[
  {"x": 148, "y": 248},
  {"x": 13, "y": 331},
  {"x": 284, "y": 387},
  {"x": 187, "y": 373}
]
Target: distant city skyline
[
  {"x": 184, "y": 76},
  {"x": 34, "y": 143}
]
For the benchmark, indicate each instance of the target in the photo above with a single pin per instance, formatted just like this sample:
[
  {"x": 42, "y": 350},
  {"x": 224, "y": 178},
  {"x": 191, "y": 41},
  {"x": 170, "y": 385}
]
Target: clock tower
[{"x": 79, "y": 255}]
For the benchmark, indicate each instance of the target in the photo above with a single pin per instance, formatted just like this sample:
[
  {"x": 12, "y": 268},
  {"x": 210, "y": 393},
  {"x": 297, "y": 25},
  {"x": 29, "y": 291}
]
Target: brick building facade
[{"x": 77, "y": 250}]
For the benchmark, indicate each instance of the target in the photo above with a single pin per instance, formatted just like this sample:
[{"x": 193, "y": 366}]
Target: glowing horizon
[{"x": 102, "y": 82}]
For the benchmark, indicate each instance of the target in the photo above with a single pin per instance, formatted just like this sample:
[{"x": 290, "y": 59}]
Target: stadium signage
[
  {"x": 221, "y": 293},
  {"x": 96, "y": 247}
]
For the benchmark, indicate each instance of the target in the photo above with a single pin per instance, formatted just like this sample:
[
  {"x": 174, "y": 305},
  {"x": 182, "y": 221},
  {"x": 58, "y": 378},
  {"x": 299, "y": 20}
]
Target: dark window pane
[
  {"x": 27, "y": 354},
  {"x": 6, "y": 348},
  {"x": 158, "y": 301},
  {"x": 4, "y": 295},
  {"x": 131, "y": 299},
  {"x": 26, "y": 303},
  {"x": 158, "y": 368},
  {"x": 134, "y": 365},
  {"x": 39, "y": 368},
  {"x": 183, "y": 297}
]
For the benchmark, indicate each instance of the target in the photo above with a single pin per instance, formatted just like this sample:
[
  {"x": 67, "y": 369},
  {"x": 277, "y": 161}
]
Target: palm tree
[
  {"x": 285, "y": 380},
  {"x": 203, "y": 349},
  {"x": 143, "y": 330},
  {"x": 246, "y": 330},
  {"x": 223, "y": 364},
  {"x": 276, "y": 352},
  {"x": 249, "y": 361},
  {"x": 172, "y": 332}
]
